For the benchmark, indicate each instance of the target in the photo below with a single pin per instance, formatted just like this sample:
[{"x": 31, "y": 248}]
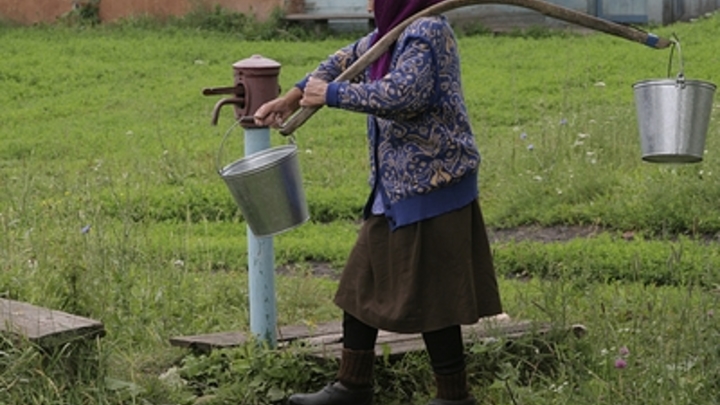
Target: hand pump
[{"x": 255, "y": 83}]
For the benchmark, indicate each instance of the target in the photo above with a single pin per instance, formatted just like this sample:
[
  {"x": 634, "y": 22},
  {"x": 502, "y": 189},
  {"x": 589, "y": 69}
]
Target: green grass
[{"x": 105, "y": 130}]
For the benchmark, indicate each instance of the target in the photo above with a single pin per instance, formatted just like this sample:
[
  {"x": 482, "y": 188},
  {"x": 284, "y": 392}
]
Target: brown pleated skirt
[{"x": 421, "y": 277}]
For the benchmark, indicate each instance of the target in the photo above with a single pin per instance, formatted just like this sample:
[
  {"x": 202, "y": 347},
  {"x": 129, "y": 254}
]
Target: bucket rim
[
  {"x": 667, "y": 157},
  {"x": 292, "y": 151},
  {"x": 673, "y": 82}
]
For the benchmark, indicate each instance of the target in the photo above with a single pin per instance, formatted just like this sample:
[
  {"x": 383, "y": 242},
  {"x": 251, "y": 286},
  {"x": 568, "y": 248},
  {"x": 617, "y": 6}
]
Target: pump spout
[
  {"x": 240, "y": 102},
  {"x": 238, "y": 90}
]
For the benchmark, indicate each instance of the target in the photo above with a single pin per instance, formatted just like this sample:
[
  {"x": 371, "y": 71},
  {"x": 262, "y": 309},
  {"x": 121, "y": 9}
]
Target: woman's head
[{"x": 388, "y": 14}]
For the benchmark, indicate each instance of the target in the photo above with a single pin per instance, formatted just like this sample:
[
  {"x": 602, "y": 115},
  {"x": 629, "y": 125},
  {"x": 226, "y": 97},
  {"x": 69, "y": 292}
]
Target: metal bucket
[
  {"x": 673, "y": 118},
  {"x": 267, "y": 186}
]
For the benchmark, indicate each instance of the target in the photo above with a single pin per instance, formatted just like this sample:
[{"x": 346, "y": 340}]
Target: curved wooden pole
[{"x": 543, "y": 7}]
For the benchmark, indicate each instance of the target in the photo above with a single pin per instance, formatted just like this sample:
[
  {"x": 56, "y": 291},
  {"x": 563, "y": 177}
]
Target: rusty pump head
[{"x": 255, "y": 83}]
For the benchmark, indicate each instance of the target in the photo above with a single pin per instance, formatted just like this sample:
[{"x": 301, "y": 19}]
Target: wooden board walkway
[
  {"x": 322, "y": 21},
  {"x": 325, "y": 340},
  {"x": 43, "y": 326}
]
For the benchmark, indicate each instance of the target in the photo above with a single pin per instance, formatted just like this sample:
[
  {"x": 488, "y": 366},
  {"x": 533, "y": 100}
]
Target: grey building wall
[
  {"x": 335, "y": 6},
  {"x": 500, "y": 17},
  {"x": 631, "y": 11},
  {"x": 682, "y": 10},
  {"x": 624, "y": 11}
]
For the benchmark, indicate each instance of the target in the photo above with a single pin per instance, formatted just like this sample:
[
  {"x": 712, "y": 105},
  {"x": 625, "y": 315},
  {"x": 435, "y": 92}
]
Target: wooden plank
[
  {"x": 326, "y": 339},
  {"x": 323, "y": 333},
  {"x": 321, "y": 21},
  {"x": 45, "y": 326},
  {"x": 484, "y": 331},
  {"x": 397, "y": 344},
  {"x": 286, "y": 334},
  {"x": 329, "y": 16},
  {"x": 293, "y": 332}
]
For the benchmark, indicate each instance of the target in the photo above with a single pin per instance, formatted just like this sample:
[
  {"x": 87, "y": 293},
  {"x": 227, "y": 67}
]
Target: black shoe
[
  {"x": 334, "y": 394},
  {"x": 467, "y": 401}
]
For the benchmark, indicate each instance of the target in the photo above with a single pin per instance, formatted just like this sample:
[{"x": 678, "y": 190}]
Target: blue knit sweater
[{"x": 422, "y": 150}]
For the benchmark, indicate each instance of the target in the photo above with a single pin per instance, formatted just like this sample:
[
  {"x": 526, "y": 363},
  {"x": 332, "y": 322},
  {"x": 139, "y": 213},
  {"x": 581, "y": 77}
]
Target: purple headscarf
[{"x": 388, "y": 14}]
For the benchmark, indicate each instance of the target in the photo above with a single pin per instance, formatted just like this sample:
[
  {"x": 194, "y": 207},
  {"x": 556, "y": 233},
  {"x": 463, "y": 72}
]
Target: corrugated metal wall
[
  {"x": 499, "y": 16},
  {"x": 688, "y": 9},
  {"x": 631, "y": 11},
  {"x": 504, "y": 18}
]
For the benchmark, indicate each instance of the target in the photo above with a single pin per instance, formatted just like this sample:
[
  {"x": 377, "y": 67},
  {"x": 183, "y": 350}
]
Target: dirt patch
[
  {"x": 314, "y": 268},
  {"x": 517, "y": 234},
  {"x": 543, "y": 234}
]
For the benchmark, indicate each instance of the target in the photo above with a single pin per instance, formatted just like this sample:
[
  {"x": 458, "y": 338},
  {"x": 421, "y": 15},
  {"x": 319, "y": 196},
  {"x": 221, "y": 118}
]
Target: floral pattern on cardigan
[{"x": 419, "y": 135}]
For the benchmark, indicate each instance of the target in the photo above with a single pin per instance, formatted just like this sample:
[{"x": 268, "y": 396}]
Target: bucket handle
[
  {"x": 681, "y": 75},
  {"x": 218, "y": 167}
]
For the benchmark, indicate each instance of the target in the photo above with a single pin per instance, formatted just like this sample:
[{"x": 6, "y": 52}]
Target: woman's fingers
[
  {"x": 315, "y": 93},
  {"x": 270, "y": 114}
]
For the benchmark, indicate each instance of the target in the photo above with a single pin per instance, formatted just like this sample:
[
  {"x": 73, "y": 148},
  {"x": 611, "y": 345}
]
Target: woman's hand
[
  {"x": 275, "y": 112},
  {"x": 314, "y": 95}
]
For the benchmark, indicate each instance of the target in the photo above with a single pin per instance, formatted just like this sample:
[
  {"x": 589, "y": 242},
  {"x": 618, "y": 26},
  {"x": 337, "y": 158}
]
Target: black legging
[{"x": 445, "y": 346}]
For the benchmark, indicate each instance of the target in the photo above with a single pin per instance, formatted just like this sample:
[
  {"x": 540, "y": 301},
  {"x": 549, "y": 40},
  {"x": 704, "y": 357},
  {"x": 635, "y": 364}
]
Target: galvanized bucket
[
  {"x": 673, "y": 117},
  {"x": 267, "y": 186}
]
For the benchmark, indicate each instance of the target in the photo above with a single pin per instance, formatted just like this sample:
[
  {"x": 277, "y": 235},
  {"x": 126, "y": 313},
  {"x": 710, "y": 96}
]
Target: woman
[{"x": 422, "y": 261}]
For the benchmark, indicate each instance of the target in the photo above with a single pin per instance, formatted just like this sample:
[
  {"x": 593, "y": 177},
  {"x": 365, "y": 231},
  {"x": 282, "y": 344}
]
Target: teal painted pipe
[{"x": 261, "y": 262}]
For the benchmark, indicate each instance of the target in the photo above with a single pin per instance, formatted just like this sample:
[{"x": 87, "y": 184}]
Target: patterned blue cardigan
[{"x": 422, "y": 150}]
